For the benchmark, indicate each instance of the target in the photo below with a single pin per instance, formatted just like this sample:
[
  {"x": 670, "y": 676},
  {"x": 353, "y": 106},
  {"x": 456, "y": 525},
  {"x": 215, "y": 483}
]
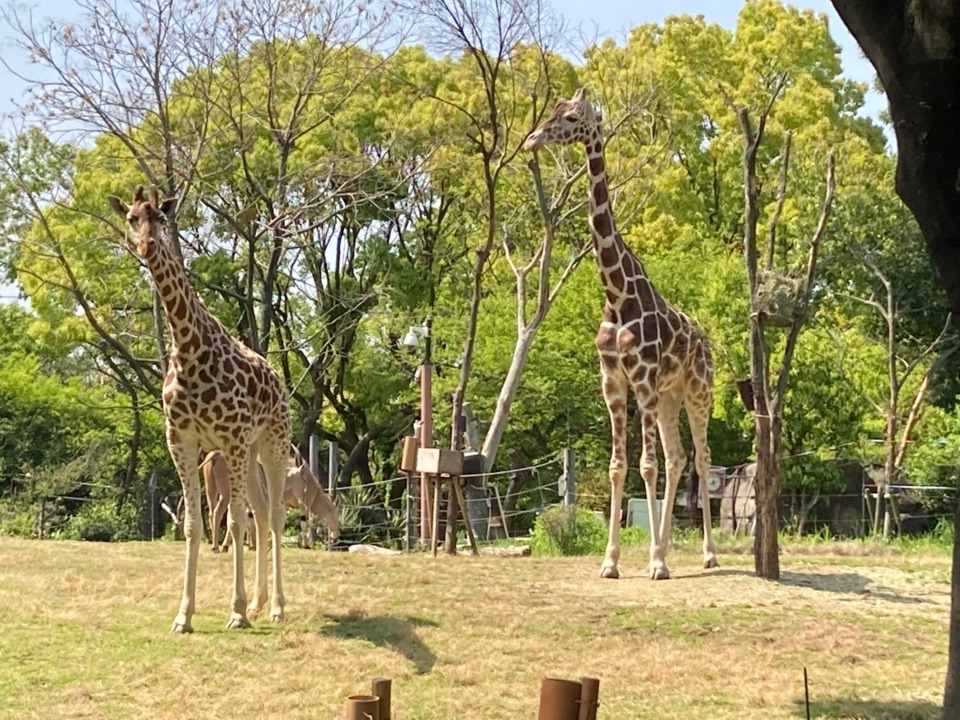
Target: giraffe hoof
[
  {"x": 238, "y": 622},
  {"x": 710, "y": 562},
  {"x": 276, "y": 616},
  {"x": 609, "y": 572},
  {"x": 659, "y": 573},
  {"x": 181, "y": 628}
]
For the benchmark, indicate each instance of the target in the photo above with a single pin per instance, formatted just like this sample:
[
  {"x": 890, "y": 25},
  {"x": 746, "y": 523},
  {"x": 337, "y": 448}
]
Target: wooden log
[
  {"x": 589, "y": 698},
  {"x": 559, "y": 699},
  {"x": 381, "y": 688},
  {"x": 363, "y": 707}
]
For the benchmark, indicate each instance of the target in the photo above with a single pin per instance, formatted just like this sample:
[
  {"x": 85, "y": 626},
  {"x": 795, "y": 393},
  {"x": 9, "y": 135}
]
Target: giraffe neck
[
  {"x": 185, "y": 313},
  {"x": 615, "y": 260}
]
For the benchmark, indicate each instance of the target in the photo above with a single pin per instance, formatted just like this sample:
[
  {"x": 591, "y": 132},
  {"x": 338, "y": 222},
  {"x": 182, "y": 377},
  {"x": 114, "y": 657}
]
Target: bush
[
  {"x": 104, "y": 522},
  {"x": 568, "y": 530}
]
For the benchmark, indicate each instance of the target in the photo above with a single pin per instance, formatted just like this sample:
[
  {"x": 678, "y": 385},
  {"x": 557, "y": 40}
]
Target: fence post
[
  {"x": 380, "y": 688},
  {"x": 559, "y": 699},
  {"x": 40, "y": 520},
  {"x": 363, "y": 707},
  {"x": 333, "y": 470},
  {"x": 410, "y": 538},
  {"x": 152, "y": 487},
  {"x": 568, "y": 481}
]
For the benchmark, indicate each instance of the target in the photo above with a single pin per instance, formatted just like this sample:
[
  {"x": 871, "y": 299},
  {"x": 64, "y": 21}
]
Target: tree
[{"x": 913, "y": 44}]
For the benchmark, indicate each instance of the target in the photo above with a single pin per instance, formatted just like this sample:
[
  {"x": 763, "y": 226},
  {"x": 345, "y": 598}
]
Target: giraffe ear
[
  {"x": 169, "y": 205},
  {"x": 118, "y": 205}
]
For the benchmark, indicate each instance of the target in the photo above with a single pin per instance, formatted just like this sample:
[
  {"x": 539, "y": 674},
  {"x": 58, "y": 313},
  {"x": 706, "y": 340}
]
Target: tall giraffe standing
[
  {"x": 219, "y": 395},
  {"x": 644, "y": 344}
]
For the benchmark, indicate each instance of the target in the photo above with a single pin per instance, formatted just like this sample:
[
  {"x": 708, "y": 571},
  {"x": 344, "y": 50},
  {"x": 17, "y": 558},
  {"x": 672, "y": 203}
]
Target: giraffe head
[
  {"x": 145, "y": 217},
  {"x": 572, "y": 121}
]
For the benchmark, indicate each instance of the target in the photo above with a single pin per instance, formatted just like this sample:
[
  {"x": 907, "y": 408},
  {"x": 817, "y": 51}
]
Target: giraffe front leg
[
  {"x": 648, "y": 470},
  {"x": 668, "y": 422},
  {"x": 615, "y": 396},
  {"x": 183, "y": 452}
]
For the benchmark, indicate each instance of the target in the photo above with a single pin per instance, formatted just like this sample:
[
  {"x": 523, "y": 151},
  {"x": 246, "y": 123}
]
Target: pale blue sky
[{"x": 595, "y": 18}]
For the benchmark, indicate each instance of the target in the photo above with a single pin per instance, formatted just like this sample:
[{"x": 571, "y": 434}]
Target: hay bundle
[{"x": 777, "y": 297}]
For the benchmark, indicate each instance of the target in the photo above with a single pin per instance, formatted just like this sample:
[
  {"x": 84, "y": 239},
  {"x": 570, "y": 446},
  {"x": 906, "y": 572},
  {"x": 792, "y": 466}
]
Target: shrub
[
  {"x": 568, "y": 530},
  {"x": 104, "y": 522}
]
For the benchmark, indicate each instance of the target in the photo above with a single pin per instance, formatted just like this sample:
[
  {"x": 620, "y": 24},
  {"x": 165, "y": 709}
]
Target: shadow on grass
[
  {"x": 844, "y": 583},
  {"x": 848, "y": 709},
  {"x": 387, "y": 631}
]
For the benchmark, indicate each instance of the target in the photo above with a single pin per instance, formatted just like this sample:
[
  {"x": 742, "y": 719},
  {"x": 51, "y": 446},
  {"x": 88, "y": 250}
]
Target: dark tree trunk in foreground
[{"x": 915, "y": 47}]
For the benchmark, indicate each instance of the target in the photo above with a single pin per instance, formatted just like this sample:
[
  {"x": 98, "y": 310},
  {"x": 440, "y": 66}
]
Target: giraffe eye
[
  {"x": 573, "y": 117},
  {"x": 133, "y": 220}
]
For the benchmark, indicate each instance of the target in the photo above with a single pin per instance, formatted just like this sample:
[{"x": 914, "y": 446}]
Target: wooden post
[
  {"x": 455, "y": 482},
  {"x": 589, "y": 698},
  {"x": 363, "y": 707},
  {"x": 381, "y": 689},
  {"x": 333, "y": 470},
  {"x": 559, "y": 699},
  {"x": 568, "y": 483}
]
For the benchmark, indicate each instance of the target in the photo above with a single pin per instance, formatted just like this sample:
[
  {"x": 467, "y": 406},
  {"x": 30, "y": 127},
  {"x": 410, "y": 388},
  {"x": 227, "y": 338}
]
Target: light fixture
[{"x": 412, "y": 338}]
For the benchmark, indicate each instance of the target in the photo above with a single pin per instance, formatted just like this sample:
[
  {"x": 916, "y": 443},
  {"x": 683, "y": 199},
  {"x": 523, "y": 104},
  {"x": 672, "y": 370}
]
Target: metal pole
[
  {"x": 568, "y": 484},
  {"x": 333, "y": 470},
  {"x": 411, "y": 533},
  {"x": 426, "y": 441},
  {"x": 152, "y": 485},
  {"x": 314, "y": 453}
]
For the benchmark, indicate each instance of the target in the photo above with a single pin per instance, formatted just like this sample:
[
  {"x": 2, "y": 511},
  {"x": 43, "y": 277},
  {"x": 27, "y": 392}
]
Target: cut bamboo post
[
  {"x": 381, "y": 689},
  {"x": 559, "y": 699},
  {"x": 589, "y": 698},
  {"x": 363, "y": 707}
]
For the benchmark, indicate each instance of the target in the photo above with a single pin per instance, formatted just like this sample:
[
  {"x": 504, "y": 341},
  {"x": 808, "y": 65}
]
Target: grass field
[{"x": 84, "y": 632}]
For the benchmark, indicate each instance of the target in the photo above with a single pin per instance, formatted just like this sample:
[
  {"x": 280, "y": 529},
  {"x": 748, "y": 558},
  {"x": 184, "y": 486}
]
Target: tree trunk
[
  {"x": 766, "y": 548},
  {"x": 508, "y": 392},
  {"x": 914, "y": 47}
]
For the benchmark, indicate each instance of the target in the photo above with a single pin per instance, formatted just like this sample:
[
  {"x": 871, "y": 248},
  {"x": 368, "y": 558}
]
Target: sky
[{"x": 594, "y": 18}]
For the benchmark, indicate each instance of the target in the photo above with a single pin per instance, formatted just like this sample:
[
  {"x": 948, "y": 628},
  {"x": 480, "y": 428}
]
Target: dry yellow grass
[{"x": 84, "y": 634}]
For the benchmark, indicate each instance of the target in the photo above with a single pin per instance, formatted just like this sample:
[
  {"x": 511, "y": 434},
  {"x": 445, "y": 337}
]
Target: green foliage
[
  {"x": 103, "y": 521},
  {"x": 568, "y": 530},
  {"x": 373, "y": 209}
]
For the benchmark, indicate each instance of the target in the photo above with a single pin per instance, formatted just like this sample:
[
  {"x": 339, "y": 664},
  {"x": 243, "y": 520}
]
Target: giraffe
[
  {"x": 644, "y": 345},
  {"x": 217, "y": 394}
]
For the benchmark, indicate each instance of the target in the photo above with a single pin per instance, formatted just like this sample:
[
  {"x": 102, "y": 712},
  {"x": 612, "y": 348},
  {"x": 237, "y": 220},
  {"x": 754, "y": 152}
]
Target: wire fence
[{"x": 506, "y": 503}]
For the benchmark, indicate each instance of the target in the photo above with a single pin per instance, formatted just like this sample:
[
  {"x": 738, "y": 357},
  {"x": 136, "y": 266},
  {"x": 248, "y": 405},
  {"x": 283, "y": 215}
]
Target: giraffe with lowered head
[
  {"x": 646, "y": 346},
  {"x": 218, "y": 395}
]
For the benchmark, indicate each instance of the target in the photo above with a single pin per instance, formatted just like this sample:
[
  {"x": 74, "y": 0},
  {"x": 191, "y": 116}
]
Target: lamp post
[{"x": 412, "y": 340}]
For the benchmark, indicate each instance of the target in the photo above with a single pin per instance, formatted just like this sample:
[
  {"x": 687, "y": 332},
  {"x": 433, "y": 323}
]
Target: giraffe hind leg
[
  {"x": 237, "y": 460},
  {"x": 698, "y": 413}
]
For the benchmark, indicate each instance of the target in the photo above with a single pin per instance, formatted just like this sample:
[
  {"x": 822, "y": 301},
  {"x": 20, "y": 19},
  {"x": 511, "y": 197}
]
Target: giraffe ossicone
[
  {"x": 218, "y": 394},
  {"x": 646, "y": 346}
]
